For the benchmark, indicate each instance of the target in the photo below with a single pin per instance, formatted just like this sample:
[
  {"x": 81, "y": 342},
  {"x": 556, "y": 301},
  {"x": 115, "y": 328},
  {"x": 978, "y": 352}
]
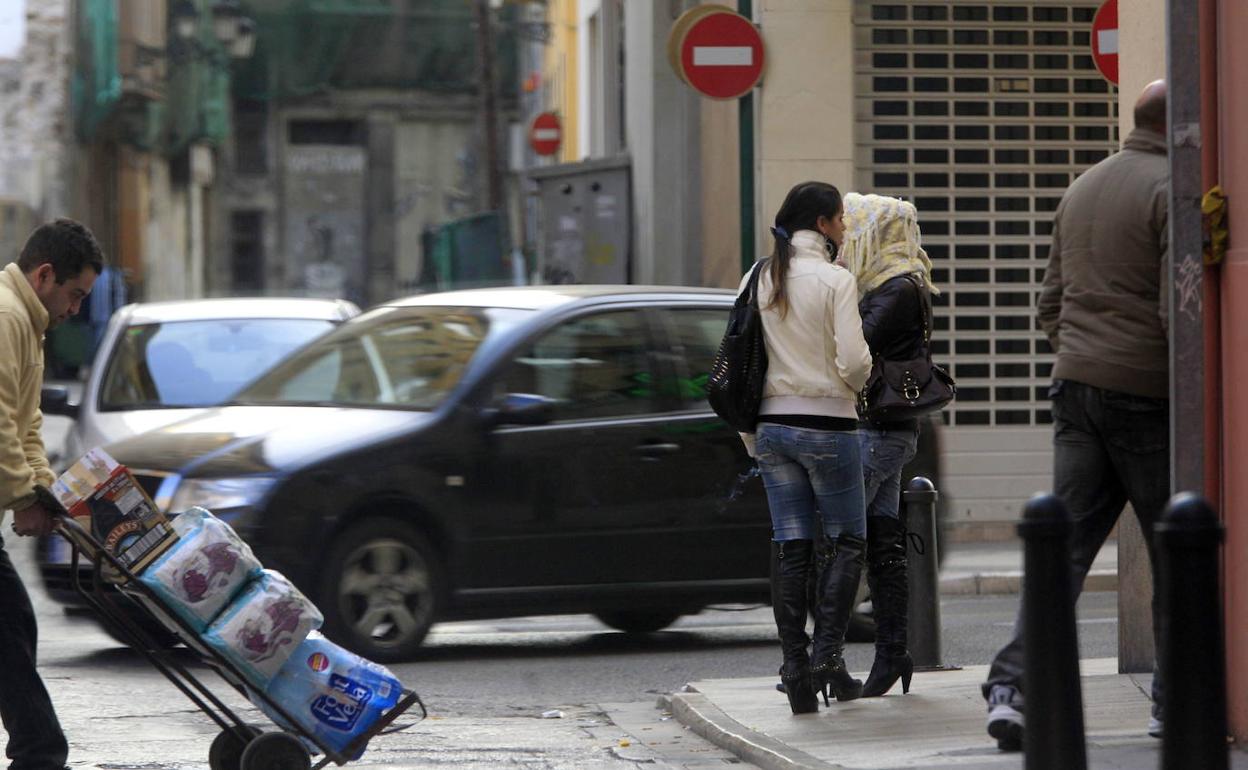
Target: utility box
[{"x": 586, "y": 222}]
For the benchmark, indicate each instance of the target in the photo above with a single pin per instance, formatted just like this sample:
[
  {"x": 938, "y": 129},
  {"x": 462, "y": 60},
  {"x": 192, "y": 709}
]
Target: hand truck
[{"x": 239, "y": 746}]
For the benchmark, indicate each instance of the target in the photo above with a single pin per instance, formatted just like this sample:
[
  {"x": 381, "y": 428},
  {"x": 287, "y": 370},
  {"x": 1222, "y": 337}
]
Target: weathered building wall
[{"x": 34, "y": 106}]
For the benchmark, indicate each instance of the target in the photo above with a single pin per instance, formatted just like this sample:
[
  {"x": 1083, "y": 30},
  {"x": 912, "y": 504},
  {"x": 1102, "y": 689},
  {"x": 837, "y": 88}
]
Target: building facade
[{"x": 981, "y": 113}]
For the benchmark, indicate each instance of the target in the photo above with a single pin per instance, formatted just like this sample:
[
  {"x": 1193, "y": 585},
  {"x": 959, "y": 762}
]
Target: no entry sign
[
  {"x": 546, "y": 134},
  {"x": 720, "y": 54},
  {"x": 1105, "y": 40}
]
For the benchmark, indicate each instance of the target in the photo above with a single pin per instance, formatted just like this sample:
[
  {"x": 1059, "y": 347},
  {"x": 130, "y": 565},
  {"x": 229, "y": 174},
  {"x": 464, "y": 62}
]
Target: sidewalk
[
  {"x": 940, "y": 723},
  {"x": 997, "y": 568}
]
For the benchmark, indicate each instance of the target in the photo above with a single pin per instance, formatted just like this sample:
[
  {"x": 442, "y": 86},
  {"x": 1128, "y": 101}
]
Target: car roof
[
  {"x": 545, "y": 297},
  {"x": 240, "y": 307}
]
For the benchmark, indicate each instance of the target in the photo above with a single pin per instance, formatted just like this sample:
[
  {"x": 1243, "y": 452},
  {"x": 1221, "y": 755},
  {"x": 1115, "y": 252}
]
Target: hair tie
[{"x": 780, "y": 232}]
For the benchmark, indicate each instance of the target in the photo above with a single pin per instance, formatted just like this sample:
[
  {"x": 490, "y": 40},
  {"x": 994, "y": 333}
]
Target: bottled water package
[{"x": 332, "y": 693}]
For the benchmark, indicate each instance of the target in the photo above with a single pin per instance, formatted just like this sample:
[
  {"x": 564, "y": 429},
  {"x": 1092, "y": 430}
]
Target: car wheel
[
  {"x": 162, "y": 637},
  {"x": 383, "y": 585},
  {"x": 638, "y": 621},
  {"x": 861, "y": 628}
]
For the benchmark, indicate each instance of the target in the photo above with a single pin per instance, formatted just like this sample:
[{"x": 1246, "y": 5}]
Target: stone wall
[{"x": 35, "y": 123}]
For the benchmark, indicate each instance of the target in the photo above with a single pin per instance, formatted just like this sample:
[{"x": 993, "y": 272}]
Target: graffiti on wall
[{"x": 324, "y": 227}]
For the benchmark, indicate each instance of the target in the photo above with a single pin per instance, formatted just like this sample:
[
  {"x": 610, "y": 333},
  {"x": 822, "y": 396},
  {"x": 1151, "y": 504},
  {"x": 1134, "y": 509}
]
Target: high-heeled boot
[
  {"x": 840, "y": 569},
  {"x": 791, "y": 564},
  {"x": 890, "y": 596}
]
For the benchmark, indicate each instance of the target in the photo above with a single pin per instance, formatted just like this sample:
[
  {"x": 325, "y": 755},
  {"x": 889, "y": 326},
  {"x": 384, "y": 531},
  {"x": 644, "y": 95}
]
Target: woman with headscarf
[
  {"x": 805, "y": 441},
  {"x": 891, "y": 269}
]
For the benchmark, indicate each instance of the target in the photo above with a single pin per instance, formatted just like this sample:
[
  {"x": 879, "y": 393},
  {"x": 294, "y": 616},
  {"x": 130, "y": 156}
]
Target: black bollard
[
  {"x": 1051, "y": 688},
  {"x": 923, "y": 574},
  {"x": 1192, "y": 663}
]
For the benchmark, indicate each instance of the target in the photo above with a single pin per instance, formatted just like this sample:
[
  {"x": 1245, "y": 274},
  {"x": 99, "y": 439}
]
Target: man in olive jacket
[
  {"x": 1103, "y": 307},
  {"x": 55, "y": 272}
]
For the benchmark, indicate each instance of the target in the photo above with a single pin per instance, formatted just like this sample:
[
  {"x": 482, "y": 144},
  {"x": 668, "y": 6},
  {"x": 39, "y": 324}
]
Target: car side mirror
[
  {"x": 54, "y": 399},
  {"x": 521, "y": 409}
]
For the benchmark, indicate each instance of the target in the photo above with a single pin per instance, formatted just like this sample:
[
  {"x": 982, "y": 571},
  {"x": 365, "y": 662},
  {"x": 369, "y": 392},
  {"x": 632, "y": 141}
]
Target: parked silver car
[{"x": 161, "y": 362}]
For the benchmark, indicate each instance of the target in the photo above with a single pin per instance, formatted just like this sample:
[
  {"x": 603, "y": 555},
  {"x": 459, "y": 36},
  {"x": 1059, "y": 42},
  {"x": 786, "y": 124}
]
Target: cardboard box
[{"x": 108, "y": 502}]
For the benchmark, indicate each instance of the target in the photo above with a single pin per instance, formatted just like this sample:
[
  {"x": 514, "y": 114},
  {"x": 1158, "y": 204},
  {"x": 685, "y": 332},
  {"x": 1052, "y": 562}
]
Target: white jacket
[{"x": 817, "y": 357}]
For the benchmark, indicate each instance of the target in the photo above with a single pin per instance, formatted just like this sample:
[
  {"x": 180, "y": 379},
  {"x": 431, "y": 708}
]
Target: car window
[
  {"x": 593, "y": 367},
  {"x": 197, "y": 363},
  {"x": 696, "y": 334},
  {"x": 406, "y": 357}
]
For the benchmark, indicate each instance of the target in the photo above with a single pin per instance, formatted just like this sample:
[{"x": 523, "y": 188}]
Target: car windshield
[
  {"x": 394, "y": 357},
  {"x": 197, "y": 363}
]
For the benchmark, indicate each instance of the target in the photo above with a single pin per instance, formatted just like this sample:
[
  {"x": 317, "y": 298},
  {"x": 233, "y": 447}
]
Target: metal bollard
[
  {"x": 1192, "y": 663},
  {"x": 922, "y": 575},
  {"x": 1054, "y": 735}
]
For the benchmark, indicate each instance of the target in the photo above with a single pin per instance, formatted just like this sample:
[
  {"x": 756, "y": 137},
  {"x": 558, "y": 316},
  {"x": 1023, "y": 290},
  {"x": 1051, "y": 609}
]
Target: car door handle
[{"x": 653, "y": 450}]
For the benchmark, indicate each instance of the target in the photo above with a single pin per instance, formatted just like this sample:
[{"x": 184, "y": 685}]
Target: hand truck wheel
[
  {"x": 275, "y": 751},
  {"x": 226, "y": 752}
]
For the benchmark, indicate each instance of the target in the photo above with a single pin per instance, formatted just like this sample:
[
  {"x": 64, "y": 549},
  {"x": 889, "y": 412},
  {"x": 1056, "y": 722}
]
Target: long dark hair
[{"x": 801, "y": 210}]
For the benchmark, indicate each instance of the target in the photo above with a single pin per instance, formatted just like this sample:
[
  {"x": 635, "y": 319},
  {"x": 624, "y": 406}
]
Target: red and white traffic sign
[
  {"x": 721, "y": 55},
  {"x": 1105, "y": 40},
  {"x": 546, "y": 134}
]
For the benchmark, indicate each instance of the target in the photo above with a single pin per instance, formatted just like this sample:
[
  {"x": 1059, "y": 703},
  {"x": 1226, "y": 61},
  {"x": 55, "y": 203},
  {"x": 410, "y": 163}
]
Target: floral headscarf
[{"x": 882, "y": 241}]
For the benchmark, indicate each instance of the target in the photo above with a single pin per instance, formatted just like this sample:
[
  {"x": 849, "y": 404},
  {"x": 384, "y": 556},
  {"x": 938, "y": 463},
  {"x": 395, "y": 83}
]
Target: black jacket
[{"x": 892, "y": 320}]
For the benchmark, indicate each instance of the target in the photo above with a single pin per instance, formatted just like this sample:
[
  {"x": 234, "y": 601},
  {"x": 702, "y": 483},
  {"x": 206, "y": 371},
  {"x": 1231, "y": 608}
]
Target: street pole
[
  {"x": 1187, "y": 341},
  {"x": 488, "y": 96},
  {"x": 745, "y": 123}
]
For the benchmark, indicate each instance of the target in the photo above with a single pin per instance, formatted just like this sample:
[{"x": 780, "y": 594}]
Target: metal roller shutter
[{"x": 982, "y": 114}]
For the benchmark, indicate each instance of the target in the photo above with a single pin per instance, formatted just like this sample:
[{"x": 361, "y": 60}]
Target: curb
[
  {"x": 692, "y": 709},
  {"x": 1012, "y": 583}
]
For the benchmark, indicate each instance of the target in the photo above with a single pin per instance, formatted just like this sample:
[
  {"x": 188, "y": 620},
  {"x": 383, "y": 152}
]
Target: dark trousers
[
  {"x": 1109, "y": 449},
  {"x": 35, "y": 738}
]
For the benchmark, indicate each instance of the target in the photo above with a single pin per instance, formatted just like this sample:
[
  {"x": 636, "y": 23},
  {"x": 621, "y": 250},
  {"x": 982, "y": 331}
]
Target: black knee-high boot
[
  {"x": 840, "y": 569},
  {"x": 791, "y": 564},
  {"x": 890, "y": 595}
]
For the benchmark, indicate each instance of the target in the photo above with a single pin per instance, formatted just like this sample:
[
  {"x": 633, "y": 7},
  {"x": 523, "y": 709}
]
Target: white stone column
[{"x": 806, "y": 122}]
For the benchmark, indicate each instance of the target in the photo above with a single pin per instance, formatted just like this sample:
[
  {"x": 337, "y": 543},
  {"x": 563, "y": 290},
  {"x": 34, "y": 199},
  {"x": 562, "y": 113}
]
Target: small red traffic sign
[
  {"x": 546, "y": 134},
  {"x": 1105, "y": 40},
  {"x": 721, "y": 55}
]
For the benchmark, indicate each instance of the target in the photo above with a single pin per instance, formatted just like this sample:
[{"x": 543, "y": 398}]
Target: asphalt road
[{"x": 544, "y": 692}]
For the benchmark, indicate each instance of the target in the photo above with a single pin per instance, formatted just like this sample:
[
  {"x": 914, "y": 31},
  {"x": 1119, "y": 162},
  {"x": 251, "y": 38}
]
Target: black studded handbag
[
  {"x": 897, "y": 390},
  {"x": 735, "y": 385}
]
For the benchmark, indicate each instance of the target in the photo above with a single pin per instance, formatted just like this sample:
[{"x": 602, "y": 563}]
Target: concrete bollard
[
  {"x": 923, "y": 575},
  {"x": 1192, "y": 662},
  {"x": 1051, "y": 687}
]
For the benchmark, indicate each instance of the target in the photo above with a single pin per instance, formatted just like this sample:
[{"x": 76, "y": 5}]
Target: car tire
[
  {"x": 162, "y": 637},
  {"x": 382, "y": 589},
  {"x": 638, "y": 621},
  {"x": 861, "y": 628}
]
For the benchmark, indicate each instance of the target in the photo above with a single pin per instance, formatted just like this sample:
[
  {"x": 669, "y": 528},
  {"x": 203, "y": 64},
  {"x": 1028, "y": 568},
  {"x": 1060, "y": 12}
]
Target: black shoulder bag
[
  {"x": 898, "y": 390},
  {"x": 735, "y": 385}
]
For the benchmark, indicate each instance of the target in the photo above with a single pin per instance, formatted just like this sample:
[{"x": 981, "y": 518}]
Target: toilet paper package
[
  {"x": 261, "y": 628},
  {"x": 332, "y": 693},
  {"x": 205, "y": 568}
]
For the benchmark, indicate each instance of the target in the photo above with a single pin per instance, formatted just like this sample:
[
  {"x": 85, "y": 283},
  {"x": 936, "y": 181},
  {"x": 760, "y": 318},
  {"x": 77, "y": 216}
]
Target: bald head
[{"x": 1150, "y": 108}]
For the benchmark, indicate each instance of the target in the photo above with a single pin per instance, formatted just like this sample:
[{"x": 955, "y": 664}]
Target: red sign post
[
  {"x": 1105, "y": 40},
  {"x": 546, "y": 134},
  {"x": 721, "y": 55}
]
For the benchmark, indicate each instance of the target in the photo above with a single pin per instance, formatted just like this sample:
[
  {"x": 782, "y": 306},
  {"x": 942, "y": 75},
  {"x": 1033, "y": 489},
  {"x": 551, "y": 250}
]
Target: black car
[{"x": 486, "y": 453}]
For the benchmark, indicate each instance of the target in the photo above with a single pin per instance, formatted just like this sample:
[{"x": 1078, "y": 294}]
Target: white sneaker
[
  {"x": 1005, "y": 717},
  {"x": 1155, "y": 726}
]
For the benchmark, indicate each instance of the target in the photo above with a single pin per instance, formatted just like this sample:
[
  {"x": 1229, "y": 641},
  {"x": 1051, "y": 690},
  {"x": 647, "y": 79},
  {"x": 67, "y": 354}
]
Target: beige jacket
[
  {"x": 1104, "y": 302},
  {"x": 23, "y": 320},
  {"x": 817, "y": 357}
]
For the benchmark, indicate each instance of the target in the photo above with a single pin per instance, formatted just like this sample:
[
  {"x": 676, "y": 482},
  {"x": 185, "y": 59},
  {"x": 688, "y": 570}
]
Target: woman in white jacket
[{"x": 806, "y": 445}]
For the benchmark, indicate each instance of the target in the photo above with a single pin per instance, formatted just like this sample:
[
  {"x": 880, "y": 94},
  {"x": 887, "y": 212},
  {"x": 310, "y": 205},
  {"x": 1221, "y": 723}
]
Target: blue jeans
[
  {"x": 811, "y": 476},
  {"x": 885, "y": 452},
  {"x": 1109, "y": 449},
  {"x": 35, "y": 738}
]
